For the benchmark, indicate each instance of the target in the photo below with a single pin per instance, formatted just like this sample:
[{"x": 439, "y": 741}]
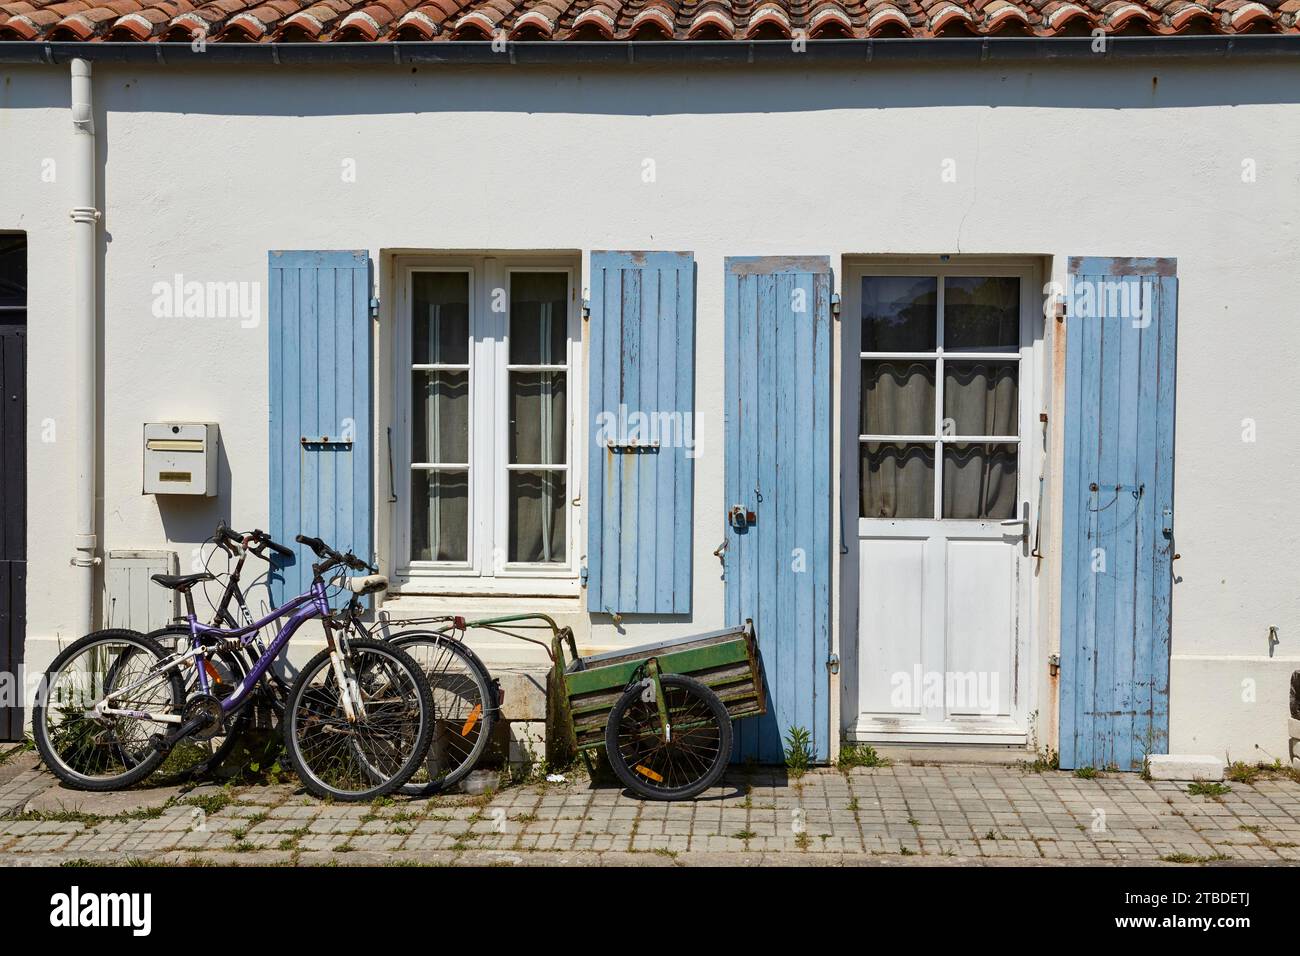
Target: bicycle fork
[{"x": 354, "y": 708}]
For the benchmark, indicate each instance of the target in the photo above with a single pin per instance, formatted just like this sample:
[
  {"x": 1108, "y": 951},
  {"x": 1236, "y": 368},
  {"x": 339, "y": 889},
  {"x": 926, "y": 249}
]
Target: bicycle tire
[
  {"x": 689, "y": 763},
  {"x": 454, "y": 713},
  {"x": 295, "y": 721},
  {"x": 146, "y": 761}
]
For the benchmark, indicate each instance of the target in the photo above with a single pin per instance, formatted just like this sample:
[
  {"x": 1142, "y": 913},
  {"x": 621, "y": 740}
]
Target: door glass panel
[
  {"x": 898, "y": 313},
  {"x": 440, "y": 318},
  {"x": 440, "y": 417},
  {"x": 981, "y": 314},
  {"x": 537, "y": 418},
  {"x": 896, "y": 480},
  {"x": 979, "y": 481},
  {"x": 439, "y": 515},
  {"x": 897, "y": 398},
  {"x": 537, "y": 517},
  {"x": 538, "y": 318},
  {"x": 981, "y": 398}
]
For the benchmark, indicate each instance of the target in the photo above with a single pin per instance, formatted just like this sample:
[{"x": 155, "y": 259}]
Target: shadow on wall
[
  {"x": 293, "y": 91},
  {"x": 189, "y": 521}
]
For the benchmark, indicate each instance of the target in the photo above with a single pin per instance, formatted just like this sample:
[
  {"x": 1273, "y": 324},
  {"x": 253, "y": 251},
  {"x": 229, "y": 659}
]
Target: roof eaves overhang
[{"x": 666, "y": 53}]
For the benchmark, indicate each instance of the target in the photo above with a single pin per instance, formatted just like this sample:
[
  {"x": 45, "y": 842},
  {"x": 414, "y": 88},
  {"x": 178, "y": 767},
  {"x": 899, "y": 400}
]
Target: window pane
[
  {"x": 537, "y": 418},
  {"x": 538, "y": 318},
  {"x": 981, "y": 398},
  {"x": 981, "y": 314},
  {"x": 537, "y": 516},
  {"x": 439, "y": 515},
  {"x": 979, "y": 481},
  {"x": 440, "y": 318},
  {"x": 897, "y": 398},
  {"x": 899, "y": 313},
  {"x": 897, "y": 481},
  {"x": 440, "y": 417}
]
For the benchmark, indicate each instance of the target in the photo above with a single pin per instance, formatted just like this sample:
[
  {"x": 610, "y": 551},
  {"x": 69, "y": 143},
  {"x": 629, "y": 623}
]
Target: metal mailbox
[{"x": 180, "y": 458}]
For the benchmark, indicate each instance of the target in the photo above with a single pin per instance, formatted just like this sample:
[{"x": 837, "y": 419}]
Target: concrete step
[{"x": 1185, "y": 767}]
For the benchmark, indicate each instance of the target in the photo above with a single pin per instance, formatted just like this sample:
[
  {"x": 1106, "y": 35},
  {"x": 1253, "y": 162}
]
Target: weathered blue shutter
[
  {"x": 778, "y": 468},
  {"x": 1117, "y": 536},
  {"x": 319, "y": 328},
  {"x": 640, "y": 474}
]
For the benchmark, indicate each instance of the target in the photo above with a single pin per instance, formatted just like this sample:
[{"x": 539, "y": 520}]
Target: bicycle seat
[
  {"x": 367, "y": 585},
  {"x": 181, "y": 582}
]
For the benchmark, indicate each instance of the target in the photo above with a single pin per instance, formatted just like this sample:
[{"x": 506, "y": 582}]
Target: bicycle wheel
[
  {"x": 225, "y": 672},
  {"x": 375, "y": 754},
  {"x": 697, "y": 749},
  {"x": 88, "y": 752},
  {"x": 464, "y": 709}
]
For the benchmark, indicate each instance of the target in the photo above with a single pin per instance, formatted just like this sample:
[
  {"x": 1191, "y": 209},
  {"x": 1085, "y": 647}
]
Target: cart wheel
[{"x": 694, "y": 756}]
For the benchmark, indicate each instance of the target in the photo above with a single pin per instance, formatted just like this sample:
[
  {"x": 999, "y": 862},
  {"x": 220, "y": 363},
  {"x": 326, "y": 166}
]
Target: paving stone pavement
[{"x": 950, "y": 815}]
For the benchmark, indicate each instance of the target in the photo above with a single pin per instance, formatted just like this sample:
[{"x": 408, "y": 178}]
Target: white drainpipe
[{"x": 85, "y": 238}]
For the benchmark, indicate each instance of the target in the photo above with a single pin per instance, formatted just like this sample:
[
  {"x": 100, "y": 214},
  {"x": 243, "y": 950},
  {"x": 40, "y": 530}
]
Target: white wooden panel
[
  {"x": 133, "y": 601},
  {"x": 980, "y": 619},
  {"x": 892, "y": 585}
]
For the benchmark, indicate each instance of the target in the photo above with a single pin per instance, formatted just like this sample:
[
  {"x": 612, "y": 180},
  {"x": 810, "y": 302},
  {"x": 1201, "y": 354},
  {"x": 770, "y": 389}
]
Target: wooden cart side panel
[
  {"x": 675, "y": 662},
  {"x": 646, "y": 651}
]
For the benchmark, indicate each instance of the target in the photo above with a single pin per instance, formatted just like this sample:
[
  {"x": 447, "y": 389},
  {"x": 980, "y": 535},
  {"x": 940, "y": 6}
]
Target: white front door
[{"x": 945, "y": 456}]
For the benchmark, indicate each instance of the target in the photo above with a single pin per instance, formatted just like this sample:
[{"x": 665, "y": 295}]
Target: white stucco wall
[{"x": 204, "y": 172}]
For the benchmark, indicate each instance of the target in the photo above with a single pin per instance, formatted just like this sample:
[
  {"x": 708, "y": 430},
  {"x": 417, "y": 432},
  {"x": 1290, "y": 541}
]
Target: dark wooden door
[{"x": 13, "y": 480}]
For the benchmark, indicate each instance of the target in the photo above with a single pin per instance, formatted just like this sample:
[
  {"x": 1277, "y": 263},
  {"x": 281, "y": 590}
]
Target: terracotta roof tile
[{"x": 264, "y": 21}]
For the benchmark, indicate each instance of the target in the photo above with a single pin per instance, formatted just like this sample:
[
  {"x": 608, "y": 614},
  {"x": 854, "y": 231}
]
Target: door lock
[{"x": 739, "y": 518}]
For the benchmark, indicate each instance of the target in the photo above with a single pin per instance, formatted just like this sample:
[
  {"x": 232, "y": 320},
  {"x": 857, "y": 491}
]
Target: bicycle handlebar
[
  {"x": 332, "y": 557},
  {"x": 256, "y": 541}
]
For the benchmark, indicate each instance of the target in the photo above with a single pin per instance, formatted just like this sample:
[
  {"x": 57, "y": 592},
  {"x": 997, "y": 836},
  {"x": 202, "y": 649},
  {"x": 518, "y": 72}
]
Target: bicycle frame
[{"x": 301, "y": 609}]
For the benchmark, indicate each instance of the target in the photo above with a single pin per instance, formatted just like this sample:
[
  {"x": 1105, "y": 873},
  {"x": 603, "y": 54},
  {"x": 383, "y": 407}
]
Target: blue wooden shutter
[
  {"x": 778, "y": 466},
  {"x": 321, "y": 463},
  {"x": 1117, "y": 535},
  {"x": 640, "y": 496}
]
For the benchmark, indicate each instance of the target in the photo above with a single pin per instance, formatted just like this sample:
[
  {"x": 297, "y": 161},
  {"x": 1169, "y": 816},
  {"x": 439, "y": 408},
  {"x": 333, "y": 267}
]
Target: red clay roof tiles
[{"x": 262, "y": 21}]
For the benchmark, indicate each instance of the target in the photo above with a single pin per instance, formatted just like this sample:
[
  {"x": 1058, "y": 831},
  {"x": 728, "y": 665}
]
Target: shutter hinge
[
  {"x": 833, "y": 663},
  {"x": 582, "y": 575},
  {"x": 1054, "y": 664},
  {"x": 374, "y": 308},
  {"x": 586, "y": 309},
  {"x": 835, "y": 304},
  {"x": 1167, "y": 525},
  {"x": 1060, "y": 312}
]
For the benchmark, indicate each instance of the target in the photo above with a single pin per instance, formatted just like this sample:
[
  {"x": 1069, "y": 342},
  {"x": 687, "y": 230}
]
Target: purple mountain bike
[{"x": 357, "y": 721}]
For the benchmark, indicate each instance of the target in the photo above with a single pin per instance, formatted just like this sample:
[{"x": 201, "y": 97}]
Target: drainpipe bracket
[{"x": 86, "y": 214}]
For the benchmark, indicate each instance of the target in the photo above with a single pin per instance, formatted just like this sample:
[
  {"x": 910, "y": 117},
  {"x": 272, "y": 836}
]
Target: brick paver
[{"x": 903, "y": 813}]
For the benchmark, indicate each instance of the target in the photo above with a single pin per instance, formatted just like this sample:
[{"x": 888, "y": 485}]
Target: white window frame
[
  {"x": 1020, "y": 357},
  {"x": 486, "y": 570}
]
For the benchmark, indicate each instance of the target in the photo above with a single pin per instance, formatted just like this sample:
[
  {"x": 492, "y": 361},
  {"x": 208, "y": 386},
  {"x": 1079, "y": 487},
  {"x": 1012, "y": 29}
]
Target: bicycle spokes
[
  {"x": 98, "y": 708},
  {"x": 352, "y": 755}
]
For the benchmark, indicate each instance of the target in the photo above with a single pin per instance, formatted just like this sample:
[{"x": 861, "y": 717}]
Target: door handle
[{"x": 1023, "y": 522}]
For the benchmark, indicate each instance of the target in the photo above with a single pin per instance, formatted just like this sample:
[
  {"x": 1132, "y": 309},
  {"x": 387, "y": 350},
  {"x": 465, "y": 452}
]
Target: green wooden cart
[{"x": 662, "y": 711}]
